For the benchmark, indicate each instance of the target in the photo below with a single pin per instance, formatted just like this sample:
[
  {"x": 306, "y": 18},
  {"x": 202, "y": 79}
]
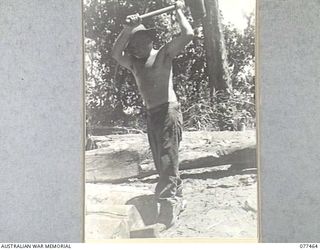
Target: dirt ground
[
  {"x": 221, "y": 201},
  {"x": 218, "y": 207}
]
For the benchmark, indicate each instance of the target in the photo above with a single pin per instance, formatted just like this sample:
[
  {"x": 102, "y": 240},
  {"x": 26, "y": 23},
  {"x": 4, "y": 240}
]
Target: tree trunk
[{"x": 216, "y": 55}]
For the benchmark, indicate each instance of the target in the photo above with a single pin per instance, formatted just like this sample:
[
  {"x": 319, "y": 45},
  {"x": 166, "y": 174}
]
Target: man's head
[{"x": 141, "y": 42}]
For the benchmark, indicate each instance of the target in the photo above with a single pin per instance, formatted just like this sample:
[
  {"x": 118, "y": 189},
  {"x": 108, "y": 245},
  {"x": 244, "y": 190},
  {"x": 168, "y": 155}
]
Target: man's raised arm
[
  {"x": 119, "y": 46},
  {"x": 177, "y": 44}
]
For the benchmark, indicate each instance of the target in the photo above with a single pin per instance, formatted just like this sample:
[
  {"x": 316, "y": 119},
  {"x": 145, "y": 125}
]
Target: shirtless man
[{"x": 152, "y": 70}]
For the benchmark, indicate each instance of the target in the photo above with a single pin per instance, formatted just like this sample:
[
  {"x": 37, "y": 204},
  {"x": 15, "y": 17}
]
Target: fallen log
[
  {"x": 104, "y": 130},
  {"x": 118, "y": 221},
  {"x": 100, "y": 227},
  {"x": 124, "y": 157},
  {"x": 127, "y": 213},
  {"x": 193, "y": 160},
  {"x": 108, "y": 166},
  {"x": 108, "y": 194}
]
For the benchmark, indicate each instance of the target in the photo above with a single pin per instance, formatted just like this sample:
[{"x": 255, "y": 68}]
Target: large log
[
  {"x": 193, "y": 160},
  {"x": 127, "y": 213},
  {"x": 109, "y": 194},
  {"x": 125, "y": 156},
  {"x": 118, "y": 221},
  {"x": 100, "y": 227},
  {"x": 108, "y": 165}
]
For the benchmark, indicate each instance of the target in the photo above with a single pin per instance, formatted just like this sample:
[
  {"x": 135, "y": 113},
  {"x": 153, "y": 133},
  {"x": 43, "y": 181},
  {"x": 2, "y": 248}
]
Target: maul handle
[
  {"x": 158, "y": 12},
  {"x": 154, "y": 13}
]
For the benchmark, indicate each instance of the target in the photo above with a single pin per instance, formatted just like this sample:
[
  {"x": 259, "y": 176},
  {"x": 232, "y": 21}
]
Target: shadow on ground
[
  {"x": 146, "y": 206},
  {"x": 203, "y": 173},
  {"x": 235, "y": 169}
]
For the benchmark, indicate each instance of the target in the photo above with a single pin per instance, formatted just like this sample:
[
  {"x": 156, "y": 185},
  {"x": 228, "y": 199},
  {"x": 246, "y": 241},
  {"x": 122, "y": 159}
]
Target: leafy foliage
[{"x": 112, "y": 98}]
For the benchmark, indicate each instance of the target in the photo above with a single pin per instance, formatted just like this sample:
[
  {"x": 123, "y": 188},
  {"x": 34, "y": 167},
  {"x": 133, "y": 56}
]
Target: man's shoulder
[{"x": 163, "y": 52}]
